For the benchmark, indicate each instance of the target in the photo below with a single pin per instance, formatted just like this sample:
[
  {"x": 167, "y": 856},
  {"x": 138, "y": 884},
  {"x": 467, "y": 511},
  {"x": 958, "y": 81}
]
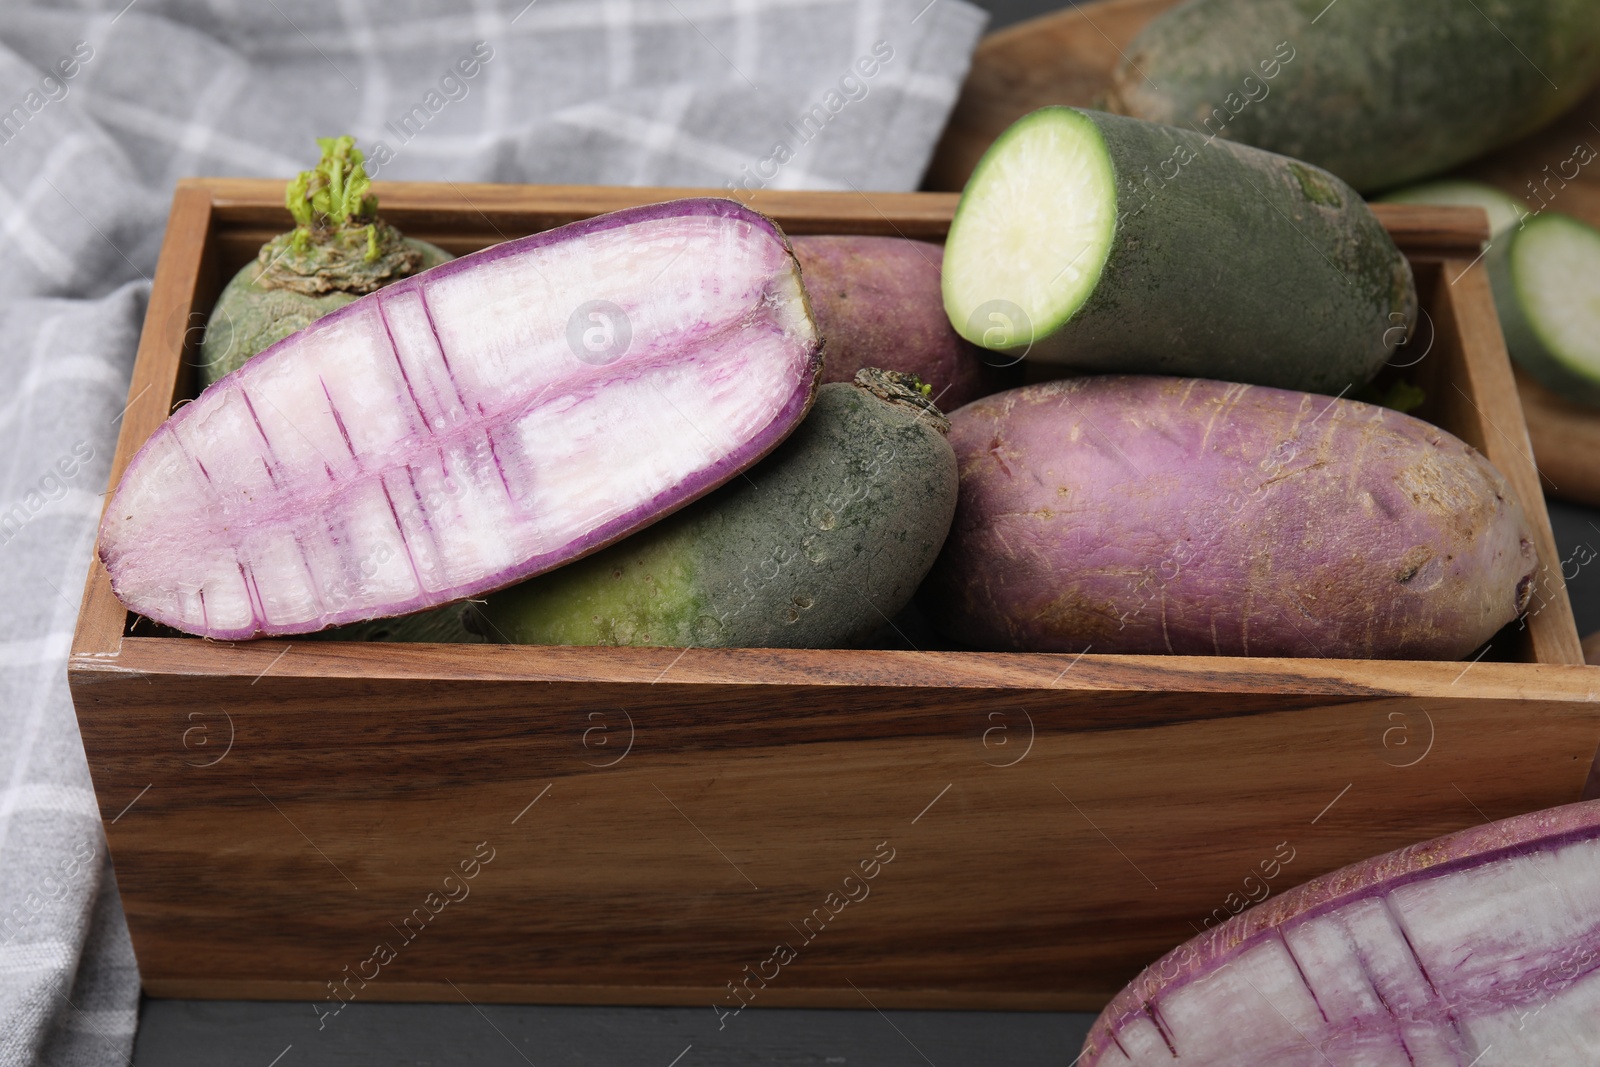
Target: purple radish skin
[
  {"x": 1481, "y": 948},
  {"x": 878, "y": 304},
  {"x": 477, "y": 424},
  {"x": 1141, "y": 514}
]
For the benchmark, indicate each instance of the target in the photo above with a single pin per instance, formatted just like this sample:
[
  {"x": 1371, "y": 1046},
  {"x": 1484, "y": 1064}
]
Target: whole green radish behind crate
[
  {"x": 339, "y": 250},
  {"x": 1378, "y": 91},
  {"x": 819, "y": 546}
]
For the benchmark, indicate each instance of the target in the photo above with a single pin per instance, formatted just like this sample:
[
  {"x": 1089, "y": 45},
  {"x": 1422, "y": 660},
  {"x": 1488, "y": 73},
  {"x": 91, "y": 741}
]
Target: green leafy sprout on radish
[
  {"x": 333, "y": 194},
  {"x": 339, "y": 249}
]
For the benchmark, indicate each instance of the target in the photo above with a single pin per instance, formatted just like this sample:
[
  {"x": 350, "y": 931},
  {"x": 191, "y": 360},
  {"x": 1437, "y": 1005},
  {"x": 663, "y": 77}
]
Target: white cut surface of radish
[
  {"x": 1033, "y": 229},
  {"x": 458, "y": 431}
]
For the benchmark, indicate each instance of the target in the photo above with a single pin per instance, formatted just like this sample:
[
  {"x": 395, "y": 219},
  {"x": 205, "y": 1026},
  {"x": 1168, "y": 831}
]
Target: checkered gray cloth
[{"x": 101, "y": 110}]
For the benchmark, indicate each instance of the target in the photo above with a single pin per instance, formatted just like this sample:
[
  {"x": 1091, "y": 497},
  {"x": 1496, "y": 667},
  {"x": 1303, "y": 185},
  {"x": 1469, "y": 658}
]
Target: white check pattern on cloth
[{"x": 830, "y": 94}]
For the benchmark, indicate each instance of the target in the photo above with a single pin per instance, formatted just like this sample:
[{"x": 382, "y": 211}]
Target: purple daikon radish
[
  {"x": 1478, "y": 949},
  {"x": 479, "y": 423}
]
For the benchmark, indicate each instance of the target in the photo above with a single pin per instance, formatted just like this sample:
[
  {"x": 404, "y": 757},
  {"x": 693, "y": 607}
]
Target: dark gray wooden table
[
  {"x": 251, "y": 1034},
  {"x": 222, "y": 1033}
]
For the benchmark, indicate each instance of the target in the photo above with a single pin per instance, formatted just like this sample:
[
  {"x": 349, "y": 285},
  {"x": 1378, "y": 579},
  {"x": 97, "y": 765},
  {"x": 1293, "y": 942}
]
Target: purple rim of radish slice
[
  {"x": 1481, "y": 948},
  {"x": 479, "y": 423}
]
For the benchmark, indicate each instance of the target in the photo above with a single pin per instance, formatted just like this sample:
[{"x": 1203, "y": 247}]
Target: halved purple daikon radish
[
  {"x": 484, "y": 421},
  {"x": 1481, "y": 948}
]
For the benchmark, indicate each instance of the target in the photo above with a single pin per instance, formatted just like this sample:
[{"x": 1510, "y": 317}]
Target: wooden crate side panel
[
  {"x": 214, "y": 667},
  {"x": 184, "y": 281},
  {"x": 1474, "y": 395},
  {"x": 284, "y": 829},
  {"x": 466, "y": 216}
]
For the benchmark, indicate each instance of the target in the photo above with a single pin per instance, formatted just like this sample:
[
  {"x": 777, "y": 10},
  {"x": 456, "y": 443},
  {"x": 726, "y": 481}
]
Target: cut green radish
[
  {"x": 1105, "y": 243},
  {"x": 1037, "y": 226},
  {"x": 1552, "y": 322}
]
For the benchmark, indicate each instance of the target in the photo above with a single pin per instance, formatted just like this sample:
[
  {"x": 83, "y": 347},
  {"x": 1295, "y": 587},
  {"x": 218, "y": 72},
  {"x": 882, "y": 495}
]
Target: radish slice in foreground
[
  {"x": 1480, "y": 948},
  {"x": 485, "y": 421}
]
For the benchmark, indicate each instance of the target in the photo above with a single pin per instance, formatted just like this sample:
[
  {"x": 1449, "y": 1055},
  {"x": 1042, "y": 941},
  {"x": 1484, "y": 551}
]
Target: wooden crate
[{"x": 660, "y": 819}]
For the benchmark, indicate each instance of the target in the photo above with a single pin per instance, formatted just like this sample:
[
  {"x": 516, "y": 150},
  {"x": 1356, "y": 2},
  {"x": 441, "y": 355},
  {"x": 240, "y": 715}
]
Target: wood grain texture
[
  {"x": 740, "y": 793},
  {"x": 466, "y": 217},
  {"x": 185, "y": 282},
  {"x": 453, "y": 210},
  {"x": 1475, "y": 396},
  {"x": 1424, "y": 231},
  {"x": 277, "y": 809}
]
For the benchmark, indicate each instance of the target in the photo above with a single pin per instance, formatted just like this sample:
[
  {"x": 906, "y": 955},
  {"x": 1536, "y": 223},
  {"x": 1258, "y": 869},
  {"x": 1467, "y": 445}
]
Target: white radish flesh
[
  {"x": 1481, "y": 949},
  {"x": 456, "y": 432}
]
